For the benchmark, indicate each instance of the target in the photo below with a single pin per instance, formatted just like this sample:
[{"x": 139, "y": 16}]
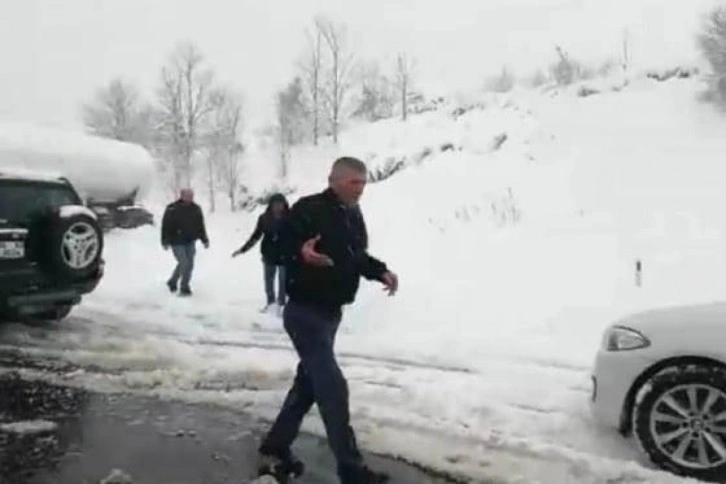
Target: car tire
[
  {"x": 56, "y": 314},
  {"x": 68, "y": 258},
  {"x": 677, "y": 435}
]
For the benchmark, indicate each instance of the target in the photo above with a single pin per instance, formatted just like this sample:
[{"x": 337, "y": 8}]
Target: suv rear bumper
[
  {"x": 30, "y": 303},
  {"x": 35, "y": 294}
]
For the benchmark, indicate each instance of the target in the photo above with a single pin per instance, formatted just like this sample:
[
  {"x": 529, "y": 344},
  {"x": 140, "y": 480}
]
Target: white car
[{"x": 661, "y": 375}]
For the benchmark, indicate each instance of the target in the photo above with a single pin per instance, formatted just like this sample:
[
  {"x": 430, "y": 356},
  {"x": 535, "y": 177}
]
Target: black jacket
[
  {"x": 343, "y": 238},
  {"x": 183, "y": 223},
  {"x": 270, "y": 230}
]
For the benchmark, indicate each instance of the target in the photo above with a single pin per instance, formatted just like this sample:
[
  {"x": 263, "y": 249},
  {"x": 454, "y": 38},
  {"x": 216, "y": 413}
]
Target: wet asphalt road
[{"x": 150, "y": 440}]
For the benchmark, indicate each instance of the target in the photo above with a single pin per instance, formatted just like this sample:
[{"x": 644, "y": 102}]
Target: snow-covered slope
[{"x": 513, "y": 251}]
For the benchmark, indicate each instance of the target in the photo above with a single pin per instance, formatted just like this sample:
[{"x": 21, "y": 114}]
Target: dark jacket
[
  {"x": 183, "y": 223},
  {"x": 343, "y": 238},
  {"x": 270, "y": 230}
]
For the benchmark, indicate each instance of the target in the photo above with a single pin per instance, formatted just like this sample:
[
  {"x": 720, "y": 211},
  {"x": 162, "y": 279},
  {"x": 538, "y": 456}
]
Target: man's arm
[
  {"x": 372, "y": 268},
  {"x": 254, "y": 238},
  {"x": 166, "y": 227},
  {"x": 369, "y": 267},
  {"x": 202, "y": 228}
]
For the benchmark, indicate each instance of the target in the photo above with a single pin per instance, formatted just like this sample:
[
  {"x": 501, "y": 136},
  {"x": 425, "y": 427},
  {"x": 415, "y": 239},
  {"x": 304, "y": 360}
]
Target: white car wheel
[{"x": 680, "y": 422}]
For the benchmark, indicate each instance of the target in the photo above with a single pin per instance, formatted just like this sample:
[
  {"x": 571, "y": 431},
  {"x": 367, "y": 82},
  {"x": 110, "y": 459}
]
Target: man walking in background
[
  {"x": 181, "y": 227},
  {"x": 326, "y": 255}
]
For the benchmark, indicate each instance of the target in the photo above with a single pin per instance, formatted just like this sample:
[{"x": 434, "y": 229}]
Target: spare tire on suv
[{"x": 73, "y": 244}]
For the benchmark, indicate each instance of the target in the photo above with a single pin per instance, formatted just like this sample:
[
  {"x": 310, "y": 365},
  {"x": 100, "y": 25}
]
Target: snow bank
[
  {"x": 102, "y": 169},
  {"x": 28, "y": 427}
]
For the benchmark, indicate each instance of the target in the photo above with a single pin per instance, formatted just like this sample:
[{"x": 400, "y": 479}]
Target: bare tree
[
  {"x": 338, "y": 78},
  {"x": 405, "y": 66},
  {"x": 185, "y": 101},
  {"x": 712, "y": 41},
  {"x": 290, "y": 110},
  {"x": 312, "y": 71},
  {"x": 283, "y": 136},
  {"x": 224, "y": 148},
  {"x": 118, "y": 112},
  {"x": 376, "y": 97}
]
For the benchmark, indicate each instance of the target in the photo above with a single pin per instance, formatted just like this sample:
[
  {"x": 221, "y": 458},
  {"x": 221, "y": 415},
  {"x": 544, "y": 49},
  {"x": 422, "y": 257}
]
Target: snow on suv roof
[
  {"x": 100, "y": 168},
  {"x": 30, "y": 175}
]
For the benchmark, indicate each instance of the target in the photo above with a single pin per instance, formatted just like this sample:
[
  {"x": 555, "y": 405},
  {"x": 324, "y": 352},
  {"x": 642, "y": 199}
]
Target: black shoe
[
  {"x": 171, "y": 286},
  {"x": 185, "y": 291},
  {"x": 279, "y": 464}
]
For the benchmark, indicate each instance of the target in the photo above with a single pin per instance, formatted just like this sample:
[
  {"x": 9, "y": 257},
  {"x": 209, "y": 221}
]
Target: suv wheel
[
  {"x": 680, "y": 422},
  {"x": 75, "y": 246},
  {"x": 56, "y": 314}
]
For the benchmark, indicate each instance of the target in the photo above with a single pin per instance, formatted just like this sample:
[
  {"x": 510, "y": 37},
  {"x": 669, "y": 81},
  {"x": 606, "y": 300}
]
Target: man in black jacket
[
  {"x": 181, "y": 226},
  {"x": 326, "y": 255}
]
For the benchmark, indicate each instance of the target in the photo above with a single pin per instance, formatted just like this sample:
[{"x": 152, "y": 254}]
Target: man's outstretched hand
[
  {"x": 390, "y": 281},
  {"x": 311, "y": 256}
]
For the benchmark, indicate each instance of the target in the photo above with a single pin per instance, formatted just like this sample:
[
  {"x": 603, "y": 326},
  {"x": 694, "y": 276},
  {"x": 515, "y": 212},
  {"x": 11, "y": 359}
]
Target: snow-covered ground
[{"x": 512, "y": 260}]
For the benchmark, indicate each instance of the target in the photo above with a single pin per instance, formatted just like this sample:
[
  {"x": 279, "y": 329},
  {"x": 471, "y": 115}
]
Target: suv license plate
[{"x": 12, "y": 250}]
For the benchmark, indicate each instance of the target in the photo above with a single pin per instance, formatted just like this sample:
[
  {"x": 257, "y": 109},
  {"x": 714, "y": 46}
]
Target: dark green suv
[{"x": 50, "y": 247}]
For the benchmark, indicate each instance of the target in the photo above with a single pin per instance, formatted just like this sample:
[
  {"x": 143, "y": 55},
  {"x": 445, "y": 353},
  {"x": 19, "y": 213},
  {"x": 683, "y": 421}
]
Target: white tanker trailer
[
  {"x": 102, "y": 170},
  {"x": 111, "y": 176}
]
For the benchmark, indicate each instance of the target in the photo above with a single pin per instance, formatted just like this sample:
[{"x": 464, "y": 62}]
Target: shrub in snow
[
  {"x": 462, "y": 110},
  {"x": 499, "y": 141},
  {"x": 567, "y": 70},
  {"x": 418, "y": 104},
  {"x": 675, "y": 72},
  {"x": 425, "y": 153},
  {"x": 505, "y": 210},
  {"x": 504, "y": 82},
  {"x": 537, "y": 79},
  {"x": 389, "y": 168},
  {"x": 586, "y": 91}
]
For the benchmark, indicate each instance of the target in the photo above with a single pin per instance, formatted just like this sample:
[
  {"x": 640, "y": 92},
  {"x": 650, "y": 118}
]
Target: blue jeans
[
  {"x": 318, "y": 380},
  {"x": 270, "y": 271},
  {"x": 184, "y": 254}
]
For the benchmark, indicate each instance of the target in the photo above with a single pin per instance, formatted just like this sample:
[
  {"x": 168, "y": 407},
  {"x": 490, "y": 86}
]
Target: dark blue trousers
[{"x": 319, "y": 380}]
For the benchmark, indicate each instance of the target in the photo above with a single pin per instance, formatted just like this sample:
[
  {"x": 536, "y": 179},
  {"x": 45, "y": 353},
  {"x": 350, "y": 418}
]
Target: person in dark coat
[
  {"x": 269, "y": 229},
  {"x": 181, "y": 227},
  {"x": 326, "y": 254}
]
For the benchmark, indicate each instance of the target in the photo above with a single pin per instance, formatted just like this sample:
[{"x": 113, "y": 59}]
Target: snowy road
[
  {"x": 62, "y": 435},
  {"x": 478, "y": 423}
]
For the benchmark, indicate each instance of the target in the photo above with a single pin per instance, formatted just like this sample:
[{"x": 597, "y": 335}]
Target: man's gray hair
[{"x": 350, "y": 163}]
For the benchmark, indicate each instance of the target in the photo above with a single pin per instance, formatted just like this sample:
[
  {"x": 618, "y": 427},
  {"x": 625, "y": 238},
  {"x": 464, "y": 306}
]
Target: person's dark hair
[
  {"x": 350, "y": 162},
  {"x": 277, "y": 198}
]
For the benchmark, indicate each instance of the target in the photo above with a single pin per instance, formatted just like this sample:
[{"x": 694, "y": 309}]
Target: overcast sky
[{"x": 55, "y": 53}]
